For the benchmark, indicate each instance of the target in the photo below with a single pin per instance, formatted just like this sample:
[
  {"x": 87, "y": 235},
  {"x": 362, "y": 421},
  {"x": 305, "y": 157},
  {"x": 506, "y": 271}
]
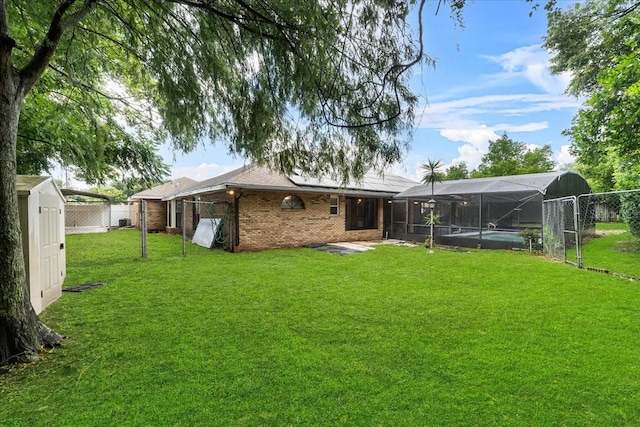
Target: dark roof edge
[
  {"x": 70, "y": 192},
  {"x": 299, "y": 189}
]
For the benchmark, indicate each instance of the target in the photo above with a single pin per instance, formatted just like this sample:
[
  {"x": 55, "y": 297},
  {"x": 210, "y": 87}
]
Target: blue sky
[{"x": 490, "y": 77}]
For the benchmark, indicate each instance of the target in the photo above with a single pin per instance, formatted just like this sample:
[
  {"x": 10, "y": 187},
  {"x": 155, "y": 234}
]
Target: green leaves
[
  {"x": 314, "y": 86},
  {"x": 457, "y": 171},
  {"x": 508, "y": 157},
  {"x": 431, "y": 172},
  {"x": 599, "y": 43}
]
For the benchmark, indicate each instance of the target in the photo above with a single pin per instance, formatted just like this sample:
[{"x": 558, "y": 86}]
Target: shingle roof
[
  {"x": 25, "y": 183},
  {"x": 371, "y": 181},
  {"x": 262, "y": 178},
  {"x": 501, "y": 184},
  {"x": 165, "y": 190}
]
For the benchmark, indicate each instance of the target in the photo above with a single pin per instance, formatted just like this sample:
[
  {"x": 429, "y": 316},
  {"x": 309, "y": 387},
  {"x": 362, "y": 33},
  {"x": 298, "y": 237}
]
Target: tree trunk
[{"x": 22, "y": 334}]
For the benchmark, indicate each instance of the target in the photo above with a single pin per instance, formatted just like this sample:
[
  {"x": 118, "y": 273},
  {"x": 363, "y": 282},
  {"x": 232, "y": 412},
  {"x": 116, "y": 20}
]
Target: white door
[{"x": 50, "y": 268}]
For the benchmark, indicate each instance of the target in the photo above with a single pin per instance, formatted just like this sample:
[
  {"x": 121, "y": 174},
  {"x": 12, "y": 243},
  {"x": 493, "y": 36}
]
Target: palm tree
[{"x": 431, "y": 175}]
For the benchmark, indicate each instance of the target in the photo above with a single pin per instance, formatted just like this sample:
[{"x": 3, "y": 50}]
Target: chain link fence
[
  {"x": 599, "y": 231},
  {"x": 559, "y": 229},
  {"x": 101, "y": 232},
  {"x": 610, "y": 232},
  {"x": 208, "y": 224}
]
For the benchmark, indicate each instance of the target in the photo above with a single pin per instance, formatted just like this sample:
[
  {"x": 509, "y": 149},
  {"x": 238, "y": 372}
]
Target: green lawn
[
  {"x": 394, "y": 337},
  {"x": 616, "y": 250},
  {"x": 604, "y": 226}
]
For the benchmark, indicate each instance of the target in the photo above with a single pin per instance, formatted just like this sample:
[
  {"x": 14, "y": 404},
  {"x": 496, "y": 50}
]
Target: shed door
[{"x": 50, "y": 268}]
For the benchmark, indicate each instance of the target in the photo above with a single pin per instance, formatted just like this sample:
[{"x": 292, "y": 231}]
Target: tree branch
[
  {"x": 393, "y": 74},
  {"x": 242, "y": 22},
  {"x": 30, "y": 138},
  {"x": 4, "y": 19},
  {"x": 60, "y": 22},
  {"x": 619, "y": 14}
]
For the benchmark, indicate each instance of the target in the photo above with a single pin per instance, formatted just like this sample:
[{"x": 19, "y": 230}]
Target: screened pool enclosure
[{"x": 484, "y": 212}]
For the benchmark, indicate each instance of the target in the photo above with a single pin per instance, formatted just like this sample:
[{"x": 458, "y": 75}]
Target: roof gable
[
  {"x": 165, "y": 190},
  {"x": 27, "y": 184},
  {"x": 262, "y": 178}
]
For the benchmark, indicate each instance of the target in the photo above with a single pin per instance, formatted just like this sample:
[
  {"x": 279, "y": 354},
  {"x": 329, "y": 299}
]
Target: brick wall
[
  {"x": 156, "y": 215},
  {"x": 265, "y": 225}
]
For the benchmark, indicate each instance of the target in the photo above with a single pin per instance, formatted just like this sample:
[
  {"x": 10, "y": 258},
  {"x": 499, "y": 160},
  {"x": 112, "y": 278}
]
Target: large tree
[
  {"x": 87, "y": 134},
  {"x": 317, "y": 86},
  {"x": 598, "y": 42},
  {"x": 508, "y": 157},
  {"x": 457, "y": 171}
]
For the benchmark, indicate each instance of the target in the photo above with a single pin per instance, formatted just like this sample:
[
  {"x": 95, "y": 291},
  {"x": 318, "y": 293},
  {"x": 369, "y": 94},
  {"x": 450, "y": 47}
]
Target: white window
[{"x": 334, "y": 205}]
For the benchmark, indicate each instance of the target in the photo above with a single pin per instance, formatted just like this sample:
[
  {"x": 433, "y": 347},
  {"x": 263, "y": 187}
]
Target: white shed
[{"x": 41, "y": 206}]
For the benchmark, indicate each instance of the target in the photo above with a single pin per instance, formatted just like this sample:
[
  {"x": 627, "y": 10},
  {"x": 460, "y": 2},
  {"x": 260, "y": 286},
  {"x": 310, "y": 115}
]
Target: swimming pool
[
  {"x": 495, "y": 235},
  {"x": 490, "y": 239}
]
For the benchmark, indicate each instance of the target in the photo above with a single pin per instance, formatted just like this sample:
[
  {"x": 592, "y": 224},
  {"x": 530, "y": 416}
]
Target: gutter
[{"x": 296, "y": 189}]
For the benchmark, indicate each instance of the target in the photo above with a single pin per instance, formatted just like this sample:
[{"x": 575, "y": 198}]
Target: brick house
[
  {"x": 161, "y": 213},
  {"x": 263, "y": 209}
]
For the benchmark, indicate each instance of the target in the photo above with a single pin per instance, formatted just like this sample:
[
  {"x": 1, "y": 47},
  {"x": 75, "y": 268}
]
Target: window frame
[
  {"x": 298, "y": 203},
  {"x": 362, "y": 213},
  {"x": 336, "y": 205}
]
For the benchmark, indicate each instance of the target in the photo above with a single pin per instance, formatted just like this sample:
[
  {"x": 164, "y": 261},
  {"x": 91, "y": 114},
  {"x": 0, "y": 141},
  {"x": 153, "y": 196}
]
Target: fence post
[
  {"x": 580, "y": 230},
  {"x": 143, "y": 227}
]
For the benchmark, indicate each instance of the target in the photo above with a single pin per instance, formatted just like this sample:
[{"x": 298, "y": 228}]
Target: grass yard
[
  {"x": 393, "y": 337},
  {"x": 617, "y": 251}
]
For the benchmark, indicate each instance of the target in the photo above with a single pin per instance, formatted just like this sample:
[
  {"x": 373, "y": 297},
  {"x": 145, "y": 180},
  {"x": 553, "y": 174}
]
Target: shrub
[
  {"x": 630, "y": 210},
  {"x": 532, "y": 235}
]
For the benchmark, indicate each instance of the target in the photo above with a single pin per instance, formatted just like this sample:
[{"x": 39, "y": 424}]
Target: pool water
[{"x": 498, "y": 236}]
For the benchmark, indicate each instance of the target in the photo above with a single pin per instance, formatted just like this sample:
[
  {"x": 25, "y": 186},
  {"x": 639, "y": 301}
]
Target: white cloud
[
  {"x": 476, "y": 139},
  {"x": 476, "y": 143},
  {"x": 475, "y": 120},
  {"x": 565, "y": 157},
  {"x": 479, "y": 136},
  {"x": 469, "y": 154},
  {"x": 467, "y": 112},
  {"x": 527, "y": 127},
  {"x": 202, "y": 171},
  {"x": 530, "y": 63}
]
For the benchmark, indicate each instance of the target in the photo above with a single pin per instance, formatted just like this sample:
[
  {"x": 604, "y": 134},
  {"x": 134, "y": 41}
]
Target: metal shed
[
  {"x": 481, "y": 212},
  {"x": 41, "y": 207}
]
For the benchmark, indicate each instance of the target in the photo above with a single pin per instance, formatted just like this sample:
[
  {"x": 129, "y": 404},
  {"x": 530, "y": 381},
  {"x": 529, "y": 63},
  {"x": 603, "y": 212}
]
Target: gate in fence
[
  {"x": 208, "y": 224},
  {"x": 594, "y": 231},
  {"x": 100, "y": 231},
  {"x": 560, "y": 225}
]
